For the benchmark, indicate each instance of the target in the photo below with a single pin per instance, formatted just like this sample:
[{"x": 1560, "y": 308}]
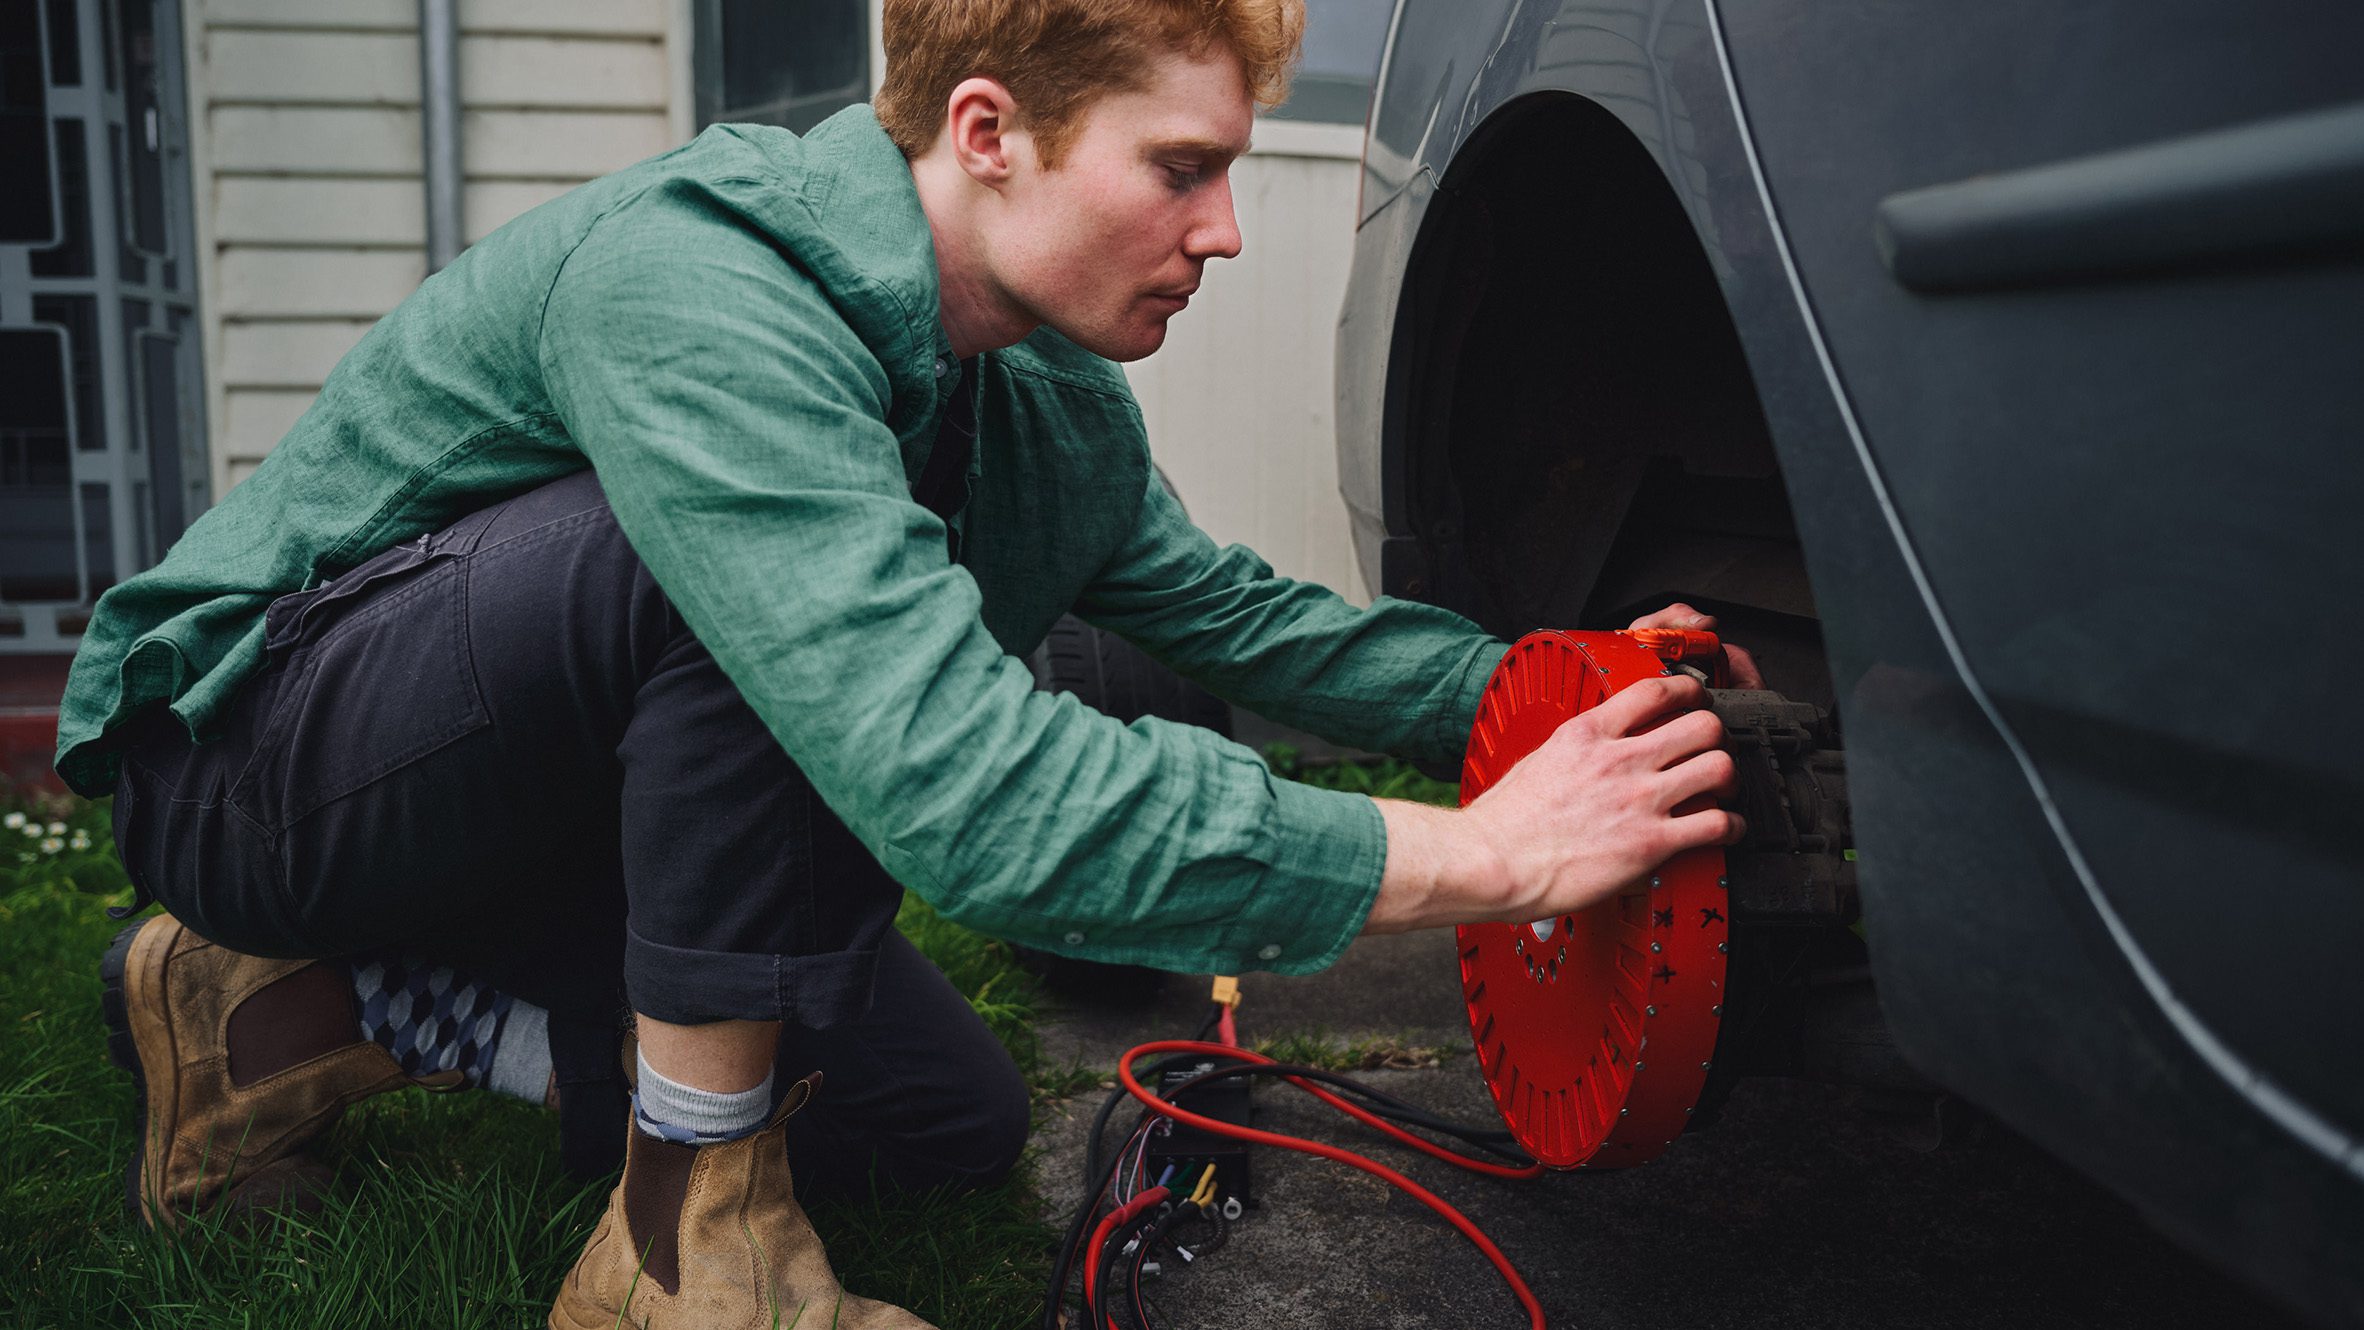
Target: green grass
[{"x": 452, "y": 1210}]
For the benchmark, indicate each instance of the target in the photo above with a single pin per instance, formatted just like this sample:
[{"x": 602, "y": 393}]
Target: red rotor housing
[{"x": 1595, "y": 1030}]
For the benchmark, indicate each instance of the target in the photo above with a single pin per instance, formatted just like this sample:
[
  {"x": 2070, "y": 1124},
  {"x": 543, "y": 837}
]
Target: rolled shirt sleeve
[{"x": 736, "y": 421}]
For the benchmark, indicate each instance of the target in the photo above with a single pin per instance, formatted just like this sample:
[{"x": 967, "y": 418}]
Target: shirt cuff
[
  {"x": 1456, "y": 721},
  {"x": 1326, "y": 851}
]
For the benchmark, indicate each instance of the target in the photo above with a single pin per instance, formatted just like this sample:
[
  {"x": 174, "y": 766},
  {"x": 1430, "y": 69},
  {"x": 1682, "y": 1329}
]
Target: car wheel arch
[{"x": 1571, "y": 424}]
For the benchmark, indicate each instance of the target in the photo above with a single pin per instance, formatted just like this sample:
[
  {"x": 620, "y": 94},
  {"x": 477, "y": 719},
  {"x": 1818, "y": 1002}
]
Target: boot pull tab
[{"x": 799, "y": 1094}]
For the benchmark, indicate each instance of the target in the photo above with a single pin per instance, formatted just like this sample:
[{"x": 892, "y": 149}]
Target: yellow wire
[{"x": 1205, "y": 1190}]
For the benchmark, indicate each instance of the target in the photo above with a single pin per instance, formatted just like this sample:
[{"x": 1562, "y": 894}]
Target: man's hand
[
  {"x": 1738, "y": 663},
  {"x": 1612, "y": 794}
]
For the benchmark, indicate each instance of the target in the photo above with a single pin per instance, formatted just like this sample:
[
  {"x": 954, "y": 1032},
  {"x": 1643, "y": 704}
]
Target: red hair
[{"x": 1057, "y": 57}]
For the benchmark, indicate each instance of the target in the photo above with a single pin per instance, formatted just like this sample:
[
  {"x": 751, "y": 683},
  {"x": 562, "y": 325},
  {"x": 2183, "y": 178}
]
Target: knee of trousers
[
  {"x": 1004, "y": 1120},
  {"x": 979, "y": 1147},
  {"x": 970, "y": 1146}
]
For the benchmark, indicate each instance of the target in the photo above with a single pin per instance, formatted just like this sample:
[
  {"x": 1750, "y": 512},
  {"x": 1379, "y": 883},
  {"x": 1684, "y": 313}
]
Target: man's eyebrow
[{"x": 1216, "y": 148}]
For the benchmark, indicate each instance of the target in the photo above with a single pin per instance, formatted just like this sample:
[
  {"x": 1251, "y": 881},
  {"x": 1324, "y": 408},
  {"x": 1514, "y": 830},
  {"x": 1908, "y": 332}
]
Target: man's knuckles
[
  {"x": 1692, "y": 831},
  {"x": 1642, "y": 705},
  {"x": 1680, "y": 739}
]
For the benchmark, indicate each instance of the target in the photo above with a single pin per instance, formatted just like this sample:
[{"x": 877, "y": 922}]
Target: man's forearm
[{"x": 1439, "y": 871}]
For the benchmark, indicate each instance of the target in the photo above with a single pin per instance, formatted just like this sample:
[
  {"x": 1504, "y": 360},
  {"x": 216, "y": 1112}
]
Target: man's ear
[{"x": 981, "y": 122}]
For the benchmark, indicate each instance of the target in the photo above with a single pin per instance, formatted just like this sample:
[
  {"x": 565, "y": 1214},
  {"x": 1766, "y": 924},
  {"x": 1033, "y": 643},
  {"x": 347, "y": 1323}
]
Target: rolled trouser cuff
[{"x": 689, "y": 986}]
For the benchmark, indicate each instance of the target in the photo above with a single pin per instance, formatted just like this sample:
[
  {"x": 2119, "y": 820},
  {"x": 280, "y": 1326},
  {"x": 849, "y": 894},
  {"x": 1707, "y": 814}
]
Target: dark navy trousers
[{"x": 500, "y": 747}]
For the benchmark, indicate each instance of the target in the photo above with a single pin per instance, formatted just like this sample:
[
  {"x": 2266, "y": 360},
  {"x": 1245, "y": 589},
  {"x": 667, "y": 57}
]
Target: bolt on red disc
[{"x": 1595, "y": 1029}]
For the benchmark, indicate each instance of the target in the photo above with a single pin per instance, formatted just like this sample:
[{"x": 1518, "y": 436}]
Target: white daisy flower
[
  {"x": 57, "y": 828},
  {"x": 13, "y": 821},
  {"x": 80, "y": 841},
  {"x": 51, "y": 845}
]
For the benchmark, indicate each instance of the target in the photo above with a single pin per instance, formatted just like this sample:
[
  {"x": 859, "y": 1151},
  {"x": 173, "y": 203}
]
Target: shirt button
[
  {"x": 1270, "y": 951},
  {"x": 943, "y": 367},
  {"x": 1075, "y": 939}
]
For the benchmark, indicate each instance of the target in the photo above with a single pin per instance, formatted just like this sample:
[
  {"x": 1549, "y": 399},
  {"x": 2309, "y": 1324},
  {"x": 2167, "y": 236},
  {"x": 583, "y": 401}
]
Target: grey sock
[
  {"x": 671, "y": 1111},
  {"x": 521, "y": 1058}
]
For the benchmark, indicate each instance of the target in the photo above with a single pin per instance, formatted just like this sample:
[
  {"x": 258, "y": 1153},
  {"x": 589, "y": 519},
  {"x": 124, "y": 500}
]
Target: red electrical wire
[
  {"x": 1124, "y": 1072},
  {"x": 1128, "y": 1211}
]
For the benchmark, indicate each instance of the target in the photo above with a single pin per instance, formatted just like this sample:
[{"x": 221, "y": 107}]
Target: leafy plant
[{"x": 1380, "y": 778}]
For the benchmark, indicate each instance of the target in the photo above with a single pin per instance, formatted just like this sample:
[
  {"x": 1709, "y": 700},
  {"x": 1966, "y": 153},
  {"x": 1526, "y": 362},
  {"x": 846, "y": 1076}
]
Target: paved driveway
[{"x": 1794, "y": 1210}]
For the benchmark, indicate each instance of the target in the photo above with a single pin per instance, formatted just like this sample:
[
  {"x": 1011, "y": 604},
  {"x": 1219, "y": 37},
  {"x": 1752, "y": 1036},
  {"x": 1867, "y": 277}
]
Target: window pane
[
  {"x": 134, "y": 269},
  {"x": 109, "y": 49},
  {"x": 70, "y": 256},
  {"x": 159, "y": 366},
  {"x": 36, "y": 470},
  {"x": 792, "y": 62},
  {"x": 24, "y": 128},
  {"x": 65, "y": 45},
  {"x": 135, "y": 323},
  {"x": 145, "y": 168},
  {"x": 78, "y": 315},
  {"x": 1343, "y": 43},
  {"x": 98, "y": 541}
]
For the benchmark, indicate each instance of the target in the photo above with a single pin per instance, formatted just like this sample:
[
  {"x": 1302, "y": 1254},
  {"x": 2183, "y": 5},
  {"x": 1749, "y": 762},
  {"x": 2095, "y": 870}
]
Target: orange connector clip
[{"x": 1682, "y": 646}]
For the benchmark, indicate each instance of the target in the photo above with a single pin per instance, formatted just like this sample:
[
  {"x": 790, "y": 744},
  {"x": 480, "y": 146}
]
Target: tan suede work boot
[
  {"x": 710, "y": 1237},
  {"x": 240, "y": 1062}
]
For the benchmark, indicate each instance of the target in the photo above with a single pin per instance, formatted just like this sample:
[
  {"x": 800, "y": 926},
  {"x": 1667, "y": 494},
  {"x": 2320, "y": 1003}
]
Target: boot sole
[{"x": 123, "y": 1050}]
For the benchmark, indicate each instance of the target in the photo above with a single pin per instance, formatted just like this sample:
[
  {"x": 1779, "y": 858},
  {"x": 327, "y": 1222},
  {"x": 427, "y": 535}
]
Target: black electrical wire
[
  {"x": 1071, "y": 1246},
  {"x": 1096, "y": 1179},
  {"x": 1104, "y": 1282},
  {"x": 1095, "y": 1183},
  {"x": 1482, "y": 1139},
  {"x": 1387, "y": 1106},
  {"x": 1149, "y": 1241},
  {"x": 1218, "y": 1229}
]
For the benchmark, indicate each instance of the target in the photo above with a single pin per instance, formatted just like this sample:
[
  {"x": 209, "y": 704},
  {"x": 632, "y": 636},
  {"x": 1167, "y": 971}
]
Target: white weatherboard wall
[
  {"x": 1238, "y": 400},
  {"x": 310, "y": 210},
  {"x": 311, "y": 224}
]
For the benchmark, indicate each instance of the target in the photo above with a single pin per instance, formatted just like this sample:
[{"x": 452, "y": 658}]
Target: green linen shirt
[{"x": 742, "y": 338}]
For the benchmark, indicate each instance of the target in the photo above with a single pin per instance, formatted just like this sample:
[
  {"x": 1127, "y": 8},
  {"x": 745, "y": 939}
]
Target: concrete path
[{"x": 1794, "y": 1210}]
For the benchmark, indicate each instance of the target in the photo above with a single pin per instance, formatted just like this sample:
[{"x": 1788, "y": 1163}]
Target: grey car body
[{"x": 1999, "y": 369}]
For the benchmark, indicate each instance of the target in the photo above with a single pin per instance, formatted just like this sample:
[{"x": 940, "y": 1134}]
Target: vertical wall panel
[
  {"x": 1238, "y": 399},
  {"x": 307, "y": 165}
]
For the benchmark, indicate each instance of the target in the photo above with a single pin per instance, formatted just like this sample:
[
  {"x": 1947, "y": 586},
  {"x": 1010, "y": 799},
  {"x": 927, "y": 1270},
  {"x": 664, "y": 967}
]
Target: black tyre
[{"x": 1111, "y": 675}]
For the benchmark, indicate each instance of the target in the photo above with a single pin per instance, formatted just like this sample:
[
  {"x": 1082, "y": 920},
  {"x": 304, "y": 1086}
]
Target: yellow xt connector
[{"x": 1227, "y": 990}]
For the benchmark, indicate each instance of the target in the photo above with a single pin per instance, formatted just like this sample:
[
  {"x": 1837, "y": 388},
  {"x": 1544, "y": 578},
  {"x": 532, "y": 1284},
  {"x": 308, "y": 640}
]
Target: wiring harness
[{"x": 1125, "y": 1217}]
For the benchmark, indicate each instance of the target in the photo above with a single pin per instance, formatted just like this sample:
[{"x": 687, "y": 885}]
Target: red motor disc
[{"x": 1594, "y": 1030}]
